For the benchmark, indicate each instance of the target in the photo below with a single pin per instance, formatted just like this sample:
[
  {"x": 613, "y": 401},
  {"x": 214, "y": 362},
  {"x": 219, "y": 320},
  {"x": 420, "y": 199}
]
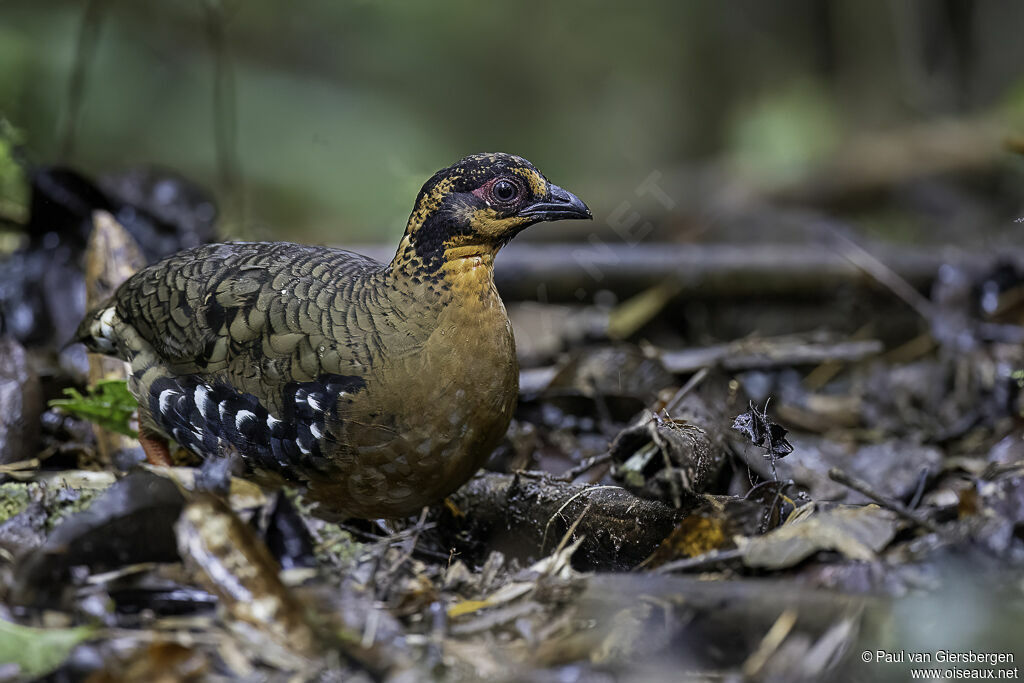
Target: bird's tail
[{"x": 96, "y": 330}]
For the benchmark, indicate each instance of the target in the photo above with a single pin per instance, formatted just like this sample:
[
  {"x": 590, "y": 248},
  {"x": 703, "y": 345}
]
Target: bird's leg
[{"x": 155, "y": 446}]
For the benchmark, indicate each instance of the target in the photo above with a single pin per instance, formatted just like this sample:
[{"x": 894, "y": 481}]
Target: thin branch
[
  {"x": 584, "y": 466},
  {"x": 861, "y": 486},
  {"x": 704, "y": 561},
  {"x": 883, "y": 274}
]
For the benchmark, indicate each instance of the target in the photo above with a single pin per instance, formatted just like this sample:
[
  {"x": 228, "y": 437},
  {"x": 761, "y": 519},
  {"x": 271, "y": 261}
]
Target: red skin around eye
[{"x": 484, "y": 192}]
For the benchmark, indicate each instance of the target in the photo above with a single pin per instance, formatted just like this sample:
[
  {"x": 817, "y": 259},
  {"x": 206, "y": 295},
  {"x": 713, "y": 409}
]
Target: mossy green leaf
[
  {"x": 108, "y": 403},
  {"x": 38, "y": 651}
]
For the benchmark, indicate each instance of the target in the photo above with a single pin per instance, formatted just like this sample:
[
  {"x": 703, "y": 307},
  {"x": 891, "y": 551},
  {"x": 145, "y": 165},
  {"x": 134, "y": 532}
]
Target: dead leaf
[
  {"x": 755, "y": 425},
  {"x": 857, "y": 532}
]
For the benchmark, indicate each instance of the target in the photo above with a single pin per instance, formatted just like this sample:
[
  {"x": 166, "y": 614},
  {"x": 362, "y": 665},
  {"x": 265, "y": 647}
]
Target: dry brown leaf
[{"x": 856, "y": 531}]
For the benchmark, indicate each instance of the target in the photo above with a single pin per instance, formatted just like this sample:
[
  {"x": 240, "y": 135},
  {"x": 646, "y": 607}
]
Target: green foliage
[
  {"x": 108, "y": 404},
  {"x": 38, "y": 651},
  {"x": 1018, "y": 377},
  {"x": 14, "y": 497},
  {"x": 782, "y": 134},
  {"x": 13, "y": 190}
]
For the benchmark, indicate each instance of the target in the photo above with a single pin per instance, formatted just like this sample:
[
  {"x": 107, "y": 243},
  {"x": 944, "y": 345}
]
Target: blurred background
[{"x": 318, "y": 122}]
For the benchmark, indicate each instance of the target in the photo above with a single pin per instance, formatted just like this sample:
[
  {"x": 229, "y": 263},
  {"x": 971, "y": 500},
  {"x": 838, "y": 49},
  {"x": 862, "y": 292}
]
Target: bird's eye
[{"x": 504, "y": 191}]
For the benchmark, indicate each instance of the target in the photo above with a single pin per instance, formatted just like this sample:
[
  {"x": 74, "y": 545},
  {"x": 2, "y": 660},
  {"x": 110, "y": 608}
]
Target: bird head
[{"x": 478, "y": 204}]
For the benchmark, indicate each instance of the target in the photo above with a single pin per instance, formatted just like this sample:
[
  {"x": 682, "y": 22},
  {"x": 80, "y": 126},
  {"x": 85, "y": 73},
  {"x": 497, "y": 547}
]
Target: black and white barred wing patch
[{"x": 209, "y": 418}]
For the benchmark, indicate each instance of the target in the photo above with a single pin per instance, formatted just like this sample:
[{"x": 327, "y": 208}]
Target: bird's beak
[{"x": 558, "y": 205}]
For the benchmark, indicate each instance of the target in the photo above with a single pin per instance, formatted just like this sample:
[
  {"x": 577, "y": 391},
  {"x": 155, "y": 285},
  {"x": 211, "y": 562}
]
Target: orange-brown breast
[{"x": 429, "y": 419}]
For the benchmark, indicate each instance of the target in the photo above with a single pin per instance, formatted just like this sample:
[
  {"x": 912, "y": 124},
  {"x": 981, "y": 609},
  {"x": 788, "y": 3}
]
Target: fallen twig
[
  {"x": 861, "y": 486},
  {"x": 704, "y": 561},
  {"x": 587, "y": 464},
  {"x": 568, "y": 271},
  {"x": 749, "y": 354}
]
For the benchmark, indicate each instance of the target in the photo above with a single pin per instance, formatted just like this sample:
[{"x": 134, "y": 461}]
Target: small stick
[
  {"x": 690, "y": 385},
  {"x": 883, "y": 274},
  {"x": 861, "y": 486},
  {"x": 587, "y": 464},
  {"x": 702, "y": 561},
  {"x": 922, "y": 480}
]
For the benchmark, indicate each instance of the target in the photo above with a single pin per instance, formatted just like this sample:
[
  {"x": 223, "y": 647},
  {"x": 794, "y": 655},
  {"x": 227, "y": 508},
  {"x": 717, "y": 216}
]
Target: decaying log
[
  {"x": 675, "y": 452},
  {"x": 668, "y": 459},
  {"x": 527, "y": 517}
]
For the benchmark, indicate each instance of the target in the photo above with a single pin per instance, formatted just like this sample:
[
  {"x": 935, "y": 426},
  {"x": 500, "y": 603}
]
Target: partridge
[{"x": 378, "y": 387}]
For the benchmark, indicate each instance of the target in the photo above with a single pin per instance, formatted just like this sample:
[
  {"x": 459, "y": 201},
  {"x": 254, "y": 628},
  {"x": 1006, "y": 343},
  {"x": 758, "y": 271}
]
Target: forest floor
[{"x": 785, "y": 447}]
